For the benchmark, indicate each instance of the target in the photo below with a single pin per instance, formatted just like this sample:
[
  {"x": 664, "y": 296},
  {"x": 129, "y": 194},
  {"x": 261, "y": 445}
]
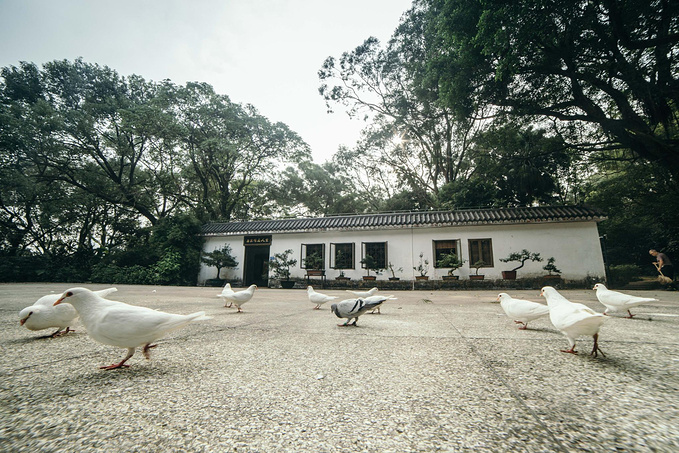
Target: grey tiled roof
[{"x": 408, "y": 220}]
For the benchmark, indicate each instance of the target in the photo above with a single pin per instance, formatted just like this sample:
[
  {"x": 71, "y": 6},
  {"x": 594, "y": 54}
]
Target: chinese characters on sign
[{"x": 257, "y": 240}]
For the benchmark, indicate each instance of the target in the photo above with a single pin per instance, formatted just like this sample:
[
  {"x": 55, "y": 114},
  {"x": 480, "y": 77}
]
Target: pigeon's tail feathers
[
  {"x": 199, "y": 316},
  {"x": 106, "y": 292}
]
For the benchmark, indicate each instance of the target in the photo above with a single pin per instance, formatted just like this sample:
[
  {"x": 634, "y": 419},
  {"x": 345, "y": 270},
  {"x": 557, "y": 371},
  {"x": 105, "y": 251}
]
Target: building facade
[{"x": 406, "y": 240}]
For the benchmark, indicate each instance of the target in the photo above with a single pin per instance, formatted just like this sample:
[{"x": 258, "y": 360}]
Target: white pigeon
[
  {"x": 43, "y": 314},
  {"x": 122, "y": 325},
  {"x": 614, "y": 300},
  {"x": 318, "y": 298},
  {"x": 380, "y": 300},
  {"x": 237, "y": 298},
  {"x": 521, "y": 311},
  {"x": 226, "y": 291},
  {"x": 363, "y": 294},
  {"x": 573, "y": 319},
  {"x": 352, "y": 309}
]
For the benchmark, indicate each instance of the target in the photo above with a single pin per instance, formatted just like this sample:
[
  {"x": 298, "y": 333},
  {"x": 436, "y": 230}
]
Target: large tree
[
  {"x": 228, "y": 149},
  {"x": 609, "y": 64}
]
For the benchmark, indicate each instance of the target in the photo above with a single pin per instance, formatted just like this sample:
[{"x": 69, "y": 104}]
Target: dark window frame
[
  {"x": 385, "y": 258},
  {"x": 333, "y": 255},
  {"x": 437, "y": 255},
  {"x": 476, "y": 248},
  {"x": 304, "y": 252}
]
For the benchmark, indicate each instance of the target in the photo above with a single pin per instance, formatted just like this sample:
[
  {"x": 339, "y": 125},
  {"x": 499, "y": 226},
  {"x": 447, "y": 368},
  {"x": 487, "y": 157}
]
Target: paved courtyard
[{"x": 444, "y": 370}]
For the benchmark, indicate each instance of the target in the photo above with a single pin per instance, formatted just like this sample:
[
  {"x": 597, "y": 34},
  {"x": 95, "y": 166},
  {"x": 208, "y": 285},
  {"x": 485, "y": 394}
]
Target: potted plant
[
  {"x": 342, "y": 277},
  {"x": 422, "y": 268},
  {"x": 393, "y": 271},
  {"x": 280, "y": 265},
  {"x": 477, "y": 265},
  {"x": 520, "y": 257},
  {"x": 314, "y": 264},
  {"x": 553, "y": 272},
  {"x": 452, "y": 261},
  {"x": 220, "y": 258},
  {"x": 370, "y": 264}
]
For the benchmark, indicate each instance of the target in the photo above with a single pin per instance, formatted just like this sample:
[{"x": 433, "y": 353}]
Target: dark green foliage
[
  {"x": 622, "y": 274},
  {"x": 450, "y": 260},
  {"x": 642, "y": 205},
  {"x": 551, "y": 267},
  {"x": 521, "y": 258},
  {"x": 96, "y": 169},
  {"x": 169, "y": 255},
  {"x": 370, "y": 264}
]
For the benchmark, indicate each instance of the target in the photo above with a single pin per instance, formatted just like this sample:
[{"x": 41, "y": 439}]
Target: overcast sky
[{"x": 263, "y": 52}]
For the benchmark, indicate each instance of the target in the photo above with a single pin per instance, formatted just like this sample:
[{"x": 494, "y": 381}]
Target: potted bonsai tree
[
  {"x": 520, "y": 257},
  {"x": 220, "y": 258},
  {"x": 370, "y": 264},
  {"x": 477, "y": 265},
  {"x": 452, "y": 261},
  {"x": 340, "y": 260},
  {"x": 342, "y": 277},
  {"x": 393, "y": 271},
  {"x": 422, "y": 268},
  {"x": 280, "y": 264},
  {"x": 314, "y": 264},
  {"x": 553, "y": 271}
]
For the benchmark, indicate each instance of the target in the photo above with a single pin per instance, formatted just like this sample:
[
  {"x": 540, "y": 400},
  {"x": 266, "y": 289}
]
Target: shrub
[{"x": 622, "y": 274}]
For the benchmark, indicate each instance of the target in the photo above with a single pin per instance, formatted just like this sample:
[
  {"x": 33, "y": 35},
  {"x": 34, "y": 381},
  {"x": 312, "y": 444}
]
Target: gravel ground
[{"x": 443, "y": 370}]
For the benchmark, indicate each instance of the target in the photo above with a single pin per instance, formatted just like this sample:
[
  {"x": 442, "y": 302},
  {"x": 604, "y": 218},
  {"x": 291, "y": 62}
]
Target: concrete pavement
[{"x": 443, "y": 370}]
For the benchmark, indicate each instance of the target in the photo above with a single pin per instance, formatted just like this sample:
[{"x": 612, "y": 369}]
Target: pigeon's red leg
[
  {"x": 596, "y": 348},
  {"x": 317, "y": 307},
  {"x": 59, "y": 333},
  {"x": 524, "y": 326},
  {"x": 146, "y": 350},
  {"x": 130, "y": 353},
  {"x": 630, "y": 315},
  {"x": 570, "y": 351}
]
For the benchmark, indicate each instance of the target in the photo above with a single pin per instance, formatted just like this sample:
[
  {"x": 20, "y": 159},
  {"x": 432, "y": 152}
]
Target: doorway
[{"x": 256, "y": 270}]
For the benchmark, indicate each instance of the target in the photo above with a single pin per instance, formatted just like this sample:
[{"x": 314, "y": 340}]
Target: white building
[{"x": 569, "y": 234}]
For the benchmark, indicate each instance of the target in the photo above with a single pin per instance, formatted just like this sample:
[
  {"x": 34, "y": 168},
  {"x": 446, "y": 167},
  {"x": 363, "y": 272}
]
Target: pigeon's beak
[
  {"x": 23, "y": 320},
  {"x": 61, "y": 299}
]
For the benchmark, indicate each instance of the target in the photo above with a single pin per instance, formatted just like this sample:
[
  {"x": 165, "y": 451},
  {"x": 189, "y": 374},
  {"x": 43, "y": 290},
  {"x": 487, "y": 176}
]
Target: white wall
[{"x": 574, "y": 245}]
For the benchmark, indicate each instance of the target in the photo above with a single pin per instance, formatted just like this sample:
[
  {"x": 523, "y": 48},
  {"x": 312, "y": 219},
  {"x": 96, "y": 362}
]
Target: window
[
  {"x": 313, "y": 256},
  {"x": 342, "y": 255},
  {"x": 481, "y": 249},
  {"x": 378, "y": 251},
  {"x": 444, "y": 248}
]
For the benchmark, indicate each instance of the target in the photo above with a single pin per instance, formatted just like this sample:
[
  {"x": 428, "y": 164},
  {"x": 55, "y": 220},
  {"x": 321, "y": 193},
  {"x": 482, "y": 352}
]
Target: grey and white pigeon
[
  {"x": 380, "y": 300},
  {"x": 617, "y": 301},
  {"x": 573, "y": 319},
  {"x": 237, "y": 298},
  {"x": 318, "y": 298},
  {"x": 122, "y": 325},
  {"x": 363, "y": 294},
  {"x": 521, "y": 311},
  {"x": 352, "y": 309},
  {"x": 44, "y": 315}
]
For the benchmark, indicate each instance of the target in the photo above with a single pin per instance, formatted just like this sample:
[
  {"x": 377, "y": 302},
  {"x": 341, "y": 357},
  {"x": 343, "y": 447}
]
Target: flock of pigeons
[
  {"x": 129, "y": 326},
  {"x": 572, "y": 319}
]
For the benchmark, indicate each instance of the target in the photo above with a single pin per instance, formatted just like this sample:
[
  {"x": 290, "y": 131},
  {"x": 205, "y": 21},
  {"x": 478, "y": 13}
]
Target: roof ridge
[{"x": 459, "y": 217}]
